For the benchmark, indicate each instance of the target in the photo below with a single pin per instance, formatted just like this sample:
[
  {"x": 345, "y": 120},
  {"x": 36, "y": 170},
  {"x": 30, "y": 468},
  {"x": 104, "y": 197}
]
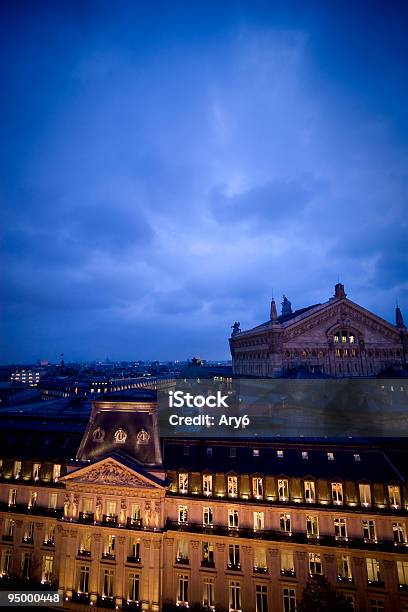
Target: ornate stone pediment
[
  {"x": 344, "y": 312},
  {"x": 111, "y": 473}
]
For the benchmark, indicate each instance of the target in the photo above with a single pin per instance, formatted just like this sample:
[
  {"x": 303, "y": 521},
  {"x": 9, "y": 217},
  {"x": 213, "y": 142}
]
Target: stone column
[
  {"x": 156, "y": 573},
  {"x": 360, "y": 580},
  {"x": 145, "y": 594},
  {"x": 195, "y": 562},
  {"x": 390, "y": 576},
  {"x": 96, "y": 550},
  {"x": 120, "y": 564},
  {"x": 37, "y": 554},
  {"x": 247, "y": 587},
  {"x": 329, "y": 568},
  {"x": 221, "y": 586},
  {"x": 169, "y": 556},
  {"x": 301, "y": 568}
]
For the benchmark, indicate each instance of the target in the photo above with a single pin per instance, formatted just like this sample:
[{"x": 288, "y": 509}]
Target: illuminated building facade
[
  {"x": 101, "y": 508},
  {"x": 337, "y": 338}
]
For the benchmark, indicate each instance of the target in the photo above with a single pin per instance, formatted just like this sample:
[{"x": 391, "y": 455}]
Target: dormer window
[
  {"x": 357, "y": 457},
  {"x": 330, "y": 456},
  {"x": 56, "y": 472},
  {"x": 183, "y": 483},
  {"x": 120, "y": 436},
  {"x": 255, "y": 452},
  {"x": 305, "y": 455},
  {"x": 207, "y": 484},
  {"x": 279, "y": 454},
  {"x": 36, "y": 471}
]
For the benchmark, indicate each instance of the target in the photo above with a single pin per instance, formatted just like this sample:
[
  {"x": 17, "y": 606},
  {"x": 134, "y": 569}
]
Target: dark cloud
[{"x": 163, "y": 170}]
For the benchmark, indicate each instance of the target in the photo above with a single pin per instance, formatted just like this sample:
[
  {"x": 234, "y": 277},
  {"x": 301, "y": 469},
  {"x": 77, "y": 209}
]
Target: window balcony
[
  {"x": 182, "y": 560},
  {"x": 50, "y": 543},
  {"x": 134, "y": 523},
  {"x": 7, "y": 538},
  {"x": 260, "y": 569},
  {"x": 84, "y": 553},
  {"x": 288, "y": 573},
  {"x": 108, "y": 556},
  {"x": 379, "y": 584},
  {"x": 131, "y": 559},
  {"x": 28, "y": 540},
  {"x": 207, "y": 563},
  {"x": 345, "y": 579},
  {"x": 236, "y": 567},
  {"x": 86, "y": 517},
  {"x": 110, "y": 520}
]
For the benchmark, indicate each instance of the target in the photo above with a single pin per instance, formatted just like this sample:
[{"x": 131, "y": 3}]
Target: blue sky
[{"x": 164, "y": 165}]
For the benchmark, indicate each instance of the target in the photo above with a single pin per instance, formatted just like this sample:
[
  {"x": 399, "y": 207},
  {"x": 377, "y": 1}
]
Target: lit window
[
  {"x": 377, "y": 605},
  {"x": 107, "y": 587},
  {"x": 183, "y": 483},
  {"x": 312, "y": 526},
  {"x": 182, "y": 591},
  {"x": 12, "y": 497},
  {"x": 365, "y": 494},
  {"x": 285, "y": 523},
  {"x": 369, "y": 534},
  {"x": 255, "y": 452},
  {"x": 182, "y": 551},
  {"x": 330, "y": 456},
  {"x": 399, "y": 531},
  {"x": 279, "y": 454},
  {"x": 232, "y": 486},
  {"x": 232, "y": 518},
  {"x": 337, "y": 492},
  {"x": 209, "y": 451},
  {"x": 234, "y": 596},
  {"x": 207, "y": 484},
  {"x": 208, "y": 554},
  {"x": 402, "y": 567},
  {"x": 32, "y": 499},
  {"x": 83, "y": 585},
  {"x": 52, "y": 501},
  {"x": 340, "y": 528},
  {"x": 315, "y": 563},
  {"x": 207, "y": 516},
  {"x": 259, "y": 520},
  {"x": 182, "y": 514},
  {"x": 48, "y": 562},
  {"x": 287, "y": 564},
  {"x": 133, "y": 587},
  {"x": 344, "y": 568},
  {"x": 17, "y": 469},
  {"x": 56, "y": 472},
  {"x": 394, "y": 494},
  {"x": 257, "y": 487},
  {"x": 261, "y": 598},
  {"x": 305, "y": 455},
  {"x": 373, "y": 570},
  {"x": 5, "y": 566},
  {"x": 357, "y": 457},
  {"x": 208, "y": 592},
  {"x": 283, "y": 490},
  {"x": 310, "y": 495},
  {"x": 26, "y": 565},
  {"x": 289, "y": 599}
]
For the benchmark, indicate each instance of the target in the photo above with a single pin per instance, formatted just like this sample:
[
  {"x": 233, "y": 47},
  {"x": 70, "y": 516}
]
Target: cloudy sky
[{"x": 164, "y": 165}]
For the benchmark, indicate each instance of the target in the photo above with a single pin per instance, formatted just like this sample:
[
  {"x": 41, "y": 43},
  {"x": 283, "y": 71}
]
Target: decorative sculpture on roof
[
  {"x": 286, "y": 307},
  {"x": 236, "y": 328}
]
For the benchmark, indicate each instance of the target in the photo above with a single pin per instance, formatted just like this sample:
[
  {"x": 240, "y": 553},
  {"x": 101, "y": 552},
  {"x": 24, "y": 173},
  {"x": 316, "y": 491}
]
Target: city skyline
[{"x": 165, "y": 169}]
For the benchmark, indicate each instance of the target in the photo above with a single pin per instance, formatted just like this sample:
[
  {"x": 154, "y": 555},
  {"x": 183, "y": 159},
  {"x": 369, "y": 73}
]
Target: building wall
[{"x": 162, "y": 535}]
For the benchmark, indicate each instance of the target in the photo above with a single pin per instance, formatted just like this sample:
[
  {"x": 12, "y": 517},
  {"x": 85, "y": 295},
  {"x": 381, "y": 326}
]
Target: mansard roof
[{"x": 373, "y": 465}]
